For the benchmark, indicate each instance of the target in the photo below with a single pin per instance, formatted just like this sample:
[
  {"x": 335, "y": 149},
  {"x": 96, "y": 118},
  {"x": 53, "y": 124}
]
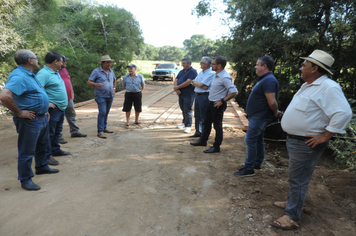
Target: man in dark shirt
[
  {"x": 185, "y": 91},
  {"x": 29, "y": 103},
  {"x": 261, "y": 107}
]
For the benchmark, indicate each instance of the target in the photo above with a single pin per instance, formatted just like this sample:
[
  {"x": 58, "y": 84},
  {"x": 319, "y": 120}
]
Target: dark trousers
[
  {"x": 55, "y": 129},
  {"x": 214, "y": 116},
  {"x": 32, "y": 142},
  {"x": 200, "y": 107}
]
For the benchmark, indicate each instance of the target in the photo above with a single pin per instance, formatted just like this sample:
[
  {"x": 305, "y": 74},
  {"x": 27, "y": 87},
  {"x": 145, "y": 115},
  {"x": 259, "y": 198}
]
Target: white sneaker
[
  {"x": 181, "y": 126},
  {"x": 187, "y": 130}
]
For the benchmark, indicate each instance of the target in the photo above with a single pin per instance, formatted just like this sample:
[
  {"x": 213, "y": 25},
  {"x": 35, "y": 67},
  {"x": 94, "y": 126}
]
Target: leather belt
[
  {"x": 202, "y": 93},
  {"x": 40, "y": 114},
  {"x": 303, "y": 138}
]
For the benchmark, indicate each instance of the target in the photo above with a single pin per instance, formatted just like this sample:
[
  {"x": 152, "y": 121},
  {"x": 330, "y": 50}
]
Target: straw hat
[
  {"x": 105, "y": 58},
  {"x": 322, "y": 59}
]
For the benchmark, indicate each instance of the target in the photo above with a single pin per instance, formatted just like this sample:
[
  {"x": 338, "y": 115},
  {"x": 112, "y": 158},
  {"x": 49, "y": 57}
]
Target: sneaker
[
  {"x": 244, "y": 173},
  {"x": 52, "y": 161},
  {"x": 256, "y": 167},
  {"x": 187, "y": 130},
  {"x": 181, "y": 126},
  {"x": 62, "y": 141}
]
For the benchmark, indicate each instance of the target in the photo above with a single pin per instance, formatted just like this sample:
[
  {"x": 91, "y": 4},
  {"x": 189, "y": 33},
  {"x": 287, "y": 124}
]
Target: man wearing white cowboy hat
[
  {"x": 318, "y": 111},
  {"x": 104, "y": 82}
]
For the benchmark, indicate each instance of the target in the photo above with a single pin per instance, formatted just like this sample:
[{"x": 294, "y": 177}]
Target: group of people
[
  {"x": 40, "y": 102},
  {"x": 317, "y": 112}
]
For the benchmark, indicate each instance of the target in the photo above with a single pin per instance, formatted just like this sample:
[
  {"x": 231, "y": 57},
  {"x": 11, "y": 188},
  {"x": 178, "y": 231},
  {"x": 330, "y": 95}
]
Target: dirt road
[{"x": 150, "y": 181}]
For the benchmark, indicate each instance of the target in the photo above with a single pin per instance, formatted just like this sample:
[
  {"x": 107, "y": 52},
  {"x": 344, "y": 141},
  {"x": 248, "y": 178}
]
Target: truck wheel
[
  {"x": 155, "y": 78},
  {"x": 173, "y": 77}
]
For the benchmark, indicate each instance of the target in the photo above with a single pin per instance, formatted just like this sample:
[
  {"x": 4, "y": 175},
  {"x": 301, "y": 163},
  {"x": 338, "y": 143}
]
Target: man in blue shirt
[
  {"x": 29, "y": 103},
  {"x": 185, "y": 91},
  {"x": 104, "y": 82},
  {"x": 134, "y": 84},
  {"x": 202, "y": 87},
  {"x": 58, "y": 102},
  {"x": 261, "y": 107}
]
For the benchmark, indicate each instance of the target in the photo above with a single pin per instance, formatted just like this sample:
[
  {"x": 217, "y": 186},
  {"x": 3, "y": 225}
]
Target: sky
[{"x": 170, "y": 22}]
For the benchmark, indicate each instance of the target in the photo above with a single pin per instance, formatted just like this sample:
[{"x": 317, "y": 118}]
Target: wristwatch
[{"x": 222, "y": 100}]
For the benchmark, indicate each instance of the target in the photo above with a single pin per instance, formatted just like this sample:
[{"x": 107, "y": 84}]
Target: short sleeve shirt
[
  {"x": 66, "y": 78},
  {"x": 54, "y": 86},
  {"x": 28, "y": 92},
  {"x": 134, "y": 86},
  {"x": 221, "y": 86},
  {"x": 182, "y": 76},
  {"x": 205, "y": 77},
  {"x": 99, "y": 76},
  {"x": 257, "y": 104}
]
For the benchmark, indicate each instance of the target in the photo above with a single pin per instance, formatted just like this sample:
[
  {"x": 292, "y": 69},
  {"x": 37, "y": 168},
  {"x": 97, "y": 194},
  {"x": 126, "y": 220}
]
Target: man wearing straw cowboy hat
[
  {"x": 104, "y": 82},
  {"x": 318, "y": 111}
]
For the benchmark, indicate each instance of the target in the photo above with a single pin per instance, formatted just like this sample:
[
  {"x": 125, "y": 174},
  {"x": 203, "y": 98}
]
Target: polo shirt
[
  {"x": 54, "y": 86},
  {"x": 66, "y": 78},
  {"x": 99, "y": 76},
  {"x": 28, "y": 92},
  {"x": 205, "y": 77},
  {"x": 221, "y": 86},
  {"x": 134, "y": 86},
  {"x": 182, "y": 76},
  {"x": 257, "y": 104}
]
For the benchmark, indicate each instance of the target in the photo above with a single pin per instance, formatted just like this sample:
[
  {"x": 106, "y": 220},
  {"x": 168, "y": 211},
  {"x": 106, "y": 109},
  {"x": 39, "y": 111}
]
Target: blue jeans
[
  {"x": 200, "y": 107},
  {"x": 104, "y": 105},
  {"x": 186, "y": 103},
  {"x": 55, "y": 129},
  {"x": 32, "y": 142},
  {"x": 255, "y": 143},
  {"x": 214, "y": 116},
  {"x": 302, "y": 162}
]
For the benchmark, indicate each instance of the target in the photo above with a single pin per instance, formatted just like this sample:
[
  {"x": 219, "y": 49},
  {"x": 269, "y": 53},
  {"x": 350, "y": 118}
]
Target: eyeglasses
[
  {"x": 34, "y": 58},
  {"x": 213, "y": 64}
]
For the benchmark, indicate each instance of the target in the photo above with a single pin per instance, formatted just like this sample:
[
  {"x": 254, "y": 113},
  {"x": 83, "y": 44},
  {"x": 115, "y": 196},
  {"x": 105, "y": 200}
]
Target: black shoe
[
  {"x": 49, "y": 171},
  {"x": 62, "y": 153},
  {"x": 62, "y": 141},
  {"x": 199, "y": 143},
  {"x": 30, "y": 186},
  {"x": 51, "y": 161},
  {"x": 195, "y": 135},
  {"x": 244, "y": 173},
  {"x": 212, "y": 150},
  {"x": 78, "y": 135},
  {"x": 256, "y": 167}
]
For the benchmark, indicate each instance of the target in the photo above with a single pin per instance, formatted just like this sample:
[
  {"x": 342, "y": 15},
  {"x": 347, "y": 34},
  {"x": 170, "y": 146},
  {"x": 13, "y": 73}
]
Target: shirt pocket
[{"x": 302, "y": 104}]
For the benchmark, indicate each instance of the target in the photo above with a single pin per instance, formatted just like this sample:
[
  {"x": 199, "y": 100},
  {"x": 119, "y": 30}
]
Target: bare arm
[
  {"x": 199, "y": 85},
  {"x": 318, "y": 139},
  {"x": 227, "y": 98},
  {"x": 93, "y": 84},
  {"x": 9, "y": 102},
  {"x": 271, "y": 99},
  {"x": 183, "y": 85}
]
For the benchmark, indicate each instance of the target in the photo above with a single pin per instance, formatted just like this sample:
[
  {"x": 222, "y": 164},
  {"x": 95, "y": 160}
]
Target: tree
[
  {"x": 170, "y": 53},
  {"x": 198, "y": 46}
]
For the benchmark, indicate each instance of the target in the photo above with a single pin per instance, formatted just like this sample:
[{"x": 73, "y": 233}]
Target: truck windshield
[{"x": 165, "y": 66}]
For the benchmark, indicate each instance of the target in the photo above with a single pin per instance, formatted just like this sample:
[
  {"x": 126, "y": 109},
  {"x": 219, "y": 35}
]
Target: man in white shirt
[{"x": 318, "y": 111}]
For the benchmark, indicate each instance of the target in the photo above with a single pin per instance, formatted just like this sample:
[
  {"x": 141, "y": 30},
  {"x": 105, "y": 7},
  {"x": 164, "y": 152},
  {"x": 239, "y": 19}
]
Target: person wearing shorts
[{"x": 134, "y": 84}]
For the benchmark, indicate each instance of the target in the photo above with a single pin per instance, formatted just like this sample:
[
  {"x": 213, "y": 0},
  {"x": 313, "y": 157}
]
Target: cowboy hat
[
  {"x": 105, "y": 58},
  {"x": 322, "y": 59}
]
